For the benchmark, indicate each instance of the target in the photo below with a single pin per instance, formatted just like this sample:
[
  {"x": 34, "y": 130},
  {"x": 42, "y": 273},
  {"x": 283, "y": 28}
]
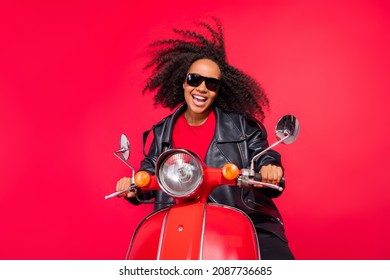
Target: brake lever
[
  {"x": 115, "y": 194},
  {"x": 258, "y": 184}
]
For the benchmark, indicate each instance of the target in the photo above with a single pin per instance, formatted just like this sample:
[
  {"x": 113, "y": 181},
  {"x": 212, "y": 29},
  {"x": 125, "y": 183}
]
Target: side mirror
[
  {"x": 124, "y": 145},
  {"x": 124, "y": 152},
  {"x": 287, "y": 129}
]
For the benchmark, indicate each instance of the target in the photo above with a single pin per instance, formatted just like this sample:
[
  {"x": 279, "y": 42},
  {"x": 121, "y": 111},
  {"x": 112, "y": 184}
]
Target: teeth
[{"x": 199, "y": 98}]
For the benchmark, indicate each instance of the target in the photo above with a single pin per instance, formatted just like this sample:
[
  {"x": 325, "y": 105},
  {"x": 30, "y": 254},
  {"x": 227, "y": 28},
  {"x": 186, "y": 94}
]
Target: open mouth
[{"x": 199, "y": 100}]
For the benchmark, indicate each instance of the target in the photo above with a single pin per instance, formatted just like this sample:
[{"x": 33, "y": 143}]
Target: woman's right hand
[{"x": 123, "y": 184}]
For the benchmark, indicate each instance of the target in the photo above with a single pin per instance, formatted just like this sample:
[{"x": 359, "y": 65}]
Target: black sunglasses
[{"x": 195, "y": 80}]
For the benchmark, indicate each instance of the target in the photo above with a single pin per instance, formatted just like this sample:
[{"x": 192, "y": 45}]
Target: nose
[{"x": 202, "y": 87}]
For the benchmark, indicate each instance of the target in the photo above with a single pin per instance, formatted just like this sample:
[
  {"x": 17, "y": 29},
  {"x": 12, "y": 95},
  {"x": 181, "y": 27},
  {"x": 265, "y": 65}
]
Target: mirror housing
[
  {"x": 124, "y": 147},
  {"x": 287, "y": 125}
]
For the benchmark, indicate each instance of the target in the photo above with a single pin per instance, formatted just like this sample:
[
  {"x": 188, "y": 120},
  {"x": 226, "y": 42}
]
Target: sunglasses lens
[
  {"x": 195, "y": 80},
  {"x": 212, "y": 84}
]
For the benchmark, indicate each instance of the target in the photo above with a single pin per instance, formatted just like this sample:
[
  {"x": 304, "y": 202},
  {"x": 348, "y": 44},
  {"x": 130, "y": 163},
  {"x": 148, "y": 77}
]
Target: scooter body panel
[
  {"x": 146, "y": 237},
  {"x": 229, "y": 235},
  {"x": 195, "y": 231}
]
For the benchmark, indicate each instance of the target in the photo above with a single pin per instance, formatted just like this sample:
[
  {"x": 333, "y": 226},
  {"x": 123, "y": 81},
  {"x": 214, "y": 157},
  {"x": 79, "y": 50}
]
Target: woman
[{"x": 218, "y": 109}]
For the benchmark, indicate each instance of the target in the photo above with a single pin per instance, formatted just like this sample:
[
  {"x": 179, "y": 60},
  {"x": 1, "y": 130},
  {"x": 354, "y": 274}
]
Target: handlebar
[{"x": 244, "y": 179}]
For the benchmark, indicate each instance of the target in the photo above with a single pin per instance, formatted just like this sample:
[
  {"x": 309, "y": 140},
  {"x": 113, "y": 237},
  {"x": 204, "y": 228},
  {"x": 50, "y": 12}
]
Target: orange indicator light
[
  {"x": 142, "y": 179},
  {"x": 230, "y": 171}
]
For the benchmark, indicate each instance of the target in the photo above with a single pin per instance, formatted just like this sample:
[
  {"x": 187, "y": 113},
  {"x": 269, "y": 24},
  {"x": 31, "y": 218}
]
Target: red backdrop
[{"x": 70, "y": 82}]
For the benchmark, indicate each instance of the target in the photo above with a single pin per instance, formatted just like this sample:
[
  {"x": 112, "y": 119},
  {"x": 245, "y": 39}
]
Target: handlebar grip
[
  {"x": 282, "y": 182},
  {"x": 257, "y": 181},
  {"x": 258, "y": 178}
]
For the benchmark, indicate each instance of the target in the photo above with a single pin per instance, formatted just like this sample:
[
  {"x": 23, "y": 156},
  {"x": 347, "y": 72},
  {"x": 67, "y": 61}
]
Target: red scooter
[{"x": 192, "y": 228}]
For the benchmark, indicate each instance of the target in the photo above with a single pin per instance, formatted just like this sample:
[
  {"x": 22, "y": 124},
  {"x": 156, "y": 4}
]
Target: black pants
[{"x": 273, "y": 248}]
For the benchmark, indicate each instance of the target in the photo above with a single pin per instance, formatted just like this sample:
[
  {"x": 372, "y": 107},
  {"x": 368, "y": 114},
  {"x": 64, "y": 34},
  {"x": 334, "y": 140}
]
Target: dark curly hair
[{"x": 171, "y": 59}]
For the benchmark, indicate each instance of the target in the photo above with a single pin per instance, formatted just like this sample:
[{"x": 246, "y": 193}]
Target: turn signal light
[
  {"x": 142, "y": 179},
  {"x": 230, "y": 171}
]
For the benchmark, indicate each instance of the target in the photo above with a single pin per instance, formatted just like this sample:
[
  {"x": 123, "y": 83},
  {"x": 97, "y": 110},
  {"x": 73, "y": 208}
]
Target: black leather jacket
[{"x": 237, "y": 139}]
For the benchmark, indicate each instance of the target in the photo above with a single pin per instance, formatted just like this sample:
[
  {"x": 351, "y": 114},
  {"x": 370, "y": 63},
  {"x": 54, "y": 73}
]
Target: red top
[{"x": 196, "y": 138}]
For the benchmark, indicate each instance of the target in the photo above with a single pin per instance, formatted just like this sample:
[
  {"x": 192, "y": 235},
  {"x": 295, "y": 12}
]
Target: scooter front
[{"x": 192, "y": 228}]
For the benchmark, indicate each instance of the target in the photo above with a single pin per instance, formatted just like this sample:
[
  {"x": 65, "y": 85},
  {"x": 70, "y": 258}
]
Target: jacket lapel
[{"x": 226, "y": 130}]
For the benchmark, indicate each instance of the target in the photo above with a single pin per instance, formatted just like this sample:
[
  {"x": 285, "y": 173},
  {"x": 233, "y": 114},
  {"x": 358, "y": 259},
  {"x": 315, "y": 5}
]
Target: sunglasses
[{"x": 195, "y": 80}]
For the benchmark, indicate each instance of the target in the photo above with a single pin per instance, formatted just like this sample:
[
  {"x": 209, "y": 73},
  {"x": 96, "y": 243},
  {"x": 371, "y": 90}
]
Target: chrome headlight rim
[{"x": 198, "y": 164}]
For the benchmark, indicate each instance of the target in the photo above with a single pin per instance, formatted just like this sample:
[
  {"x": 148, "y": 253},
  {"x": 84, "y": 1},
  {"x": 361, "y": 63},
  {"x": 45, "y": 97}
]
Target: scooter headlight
[{"x": 179, "y": 172}]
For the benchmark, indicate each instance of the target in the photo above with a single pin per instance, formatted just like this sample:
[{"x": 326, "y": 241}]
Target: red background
[{"x": 70, "y": 82}]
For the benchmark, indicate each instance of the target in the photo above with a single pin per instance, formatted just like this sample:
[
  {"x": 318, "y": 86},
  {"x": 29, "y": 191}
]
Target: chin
[{"x": 199, "y": 110}]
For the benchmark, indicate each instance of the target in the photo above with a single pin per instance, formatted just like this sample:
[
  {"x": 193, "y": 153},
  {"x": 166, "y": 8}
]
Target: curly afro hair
[{"x": 171, "y": 59}]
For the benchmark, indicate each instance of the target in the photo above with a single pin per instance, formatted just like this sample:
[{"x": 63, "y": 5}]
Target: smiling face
[{"x": 199, "y": 98}]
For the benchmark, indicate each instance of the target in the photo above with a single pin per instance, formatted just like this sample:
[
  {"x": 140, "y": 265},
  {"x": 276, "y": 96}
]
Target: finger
[
  {"x": 269, "y": 174},
  {"x": 280, "y": 175},
  {"x": 274, "y": 174},
  {"x": 117, "y": 185},
  {"x": 264, "y": 173},
  {"x": 130, "y": 194},
  {"x": 124, "y": 183}
]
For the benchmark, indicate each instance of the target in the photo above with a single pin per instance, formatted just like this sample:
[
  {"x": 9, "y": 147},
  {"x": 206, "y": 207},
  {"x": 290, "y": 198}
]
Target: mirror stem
[
  {"x": 252, "y": 168},
  {"x": 122, "y": 150},
  {"x": 125, "y": 162}
]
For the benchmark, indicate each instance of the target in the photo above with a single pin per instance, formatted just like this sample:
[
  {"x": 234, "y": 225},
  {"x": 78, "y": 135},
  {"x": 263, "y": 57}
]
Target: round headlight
[{"x": 179, "y": 172}]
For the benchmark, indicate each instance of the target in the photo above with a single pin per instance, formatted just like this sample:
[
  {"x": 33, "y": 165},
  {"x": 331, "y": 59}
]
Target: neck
[{"x": 196, "y": 119}]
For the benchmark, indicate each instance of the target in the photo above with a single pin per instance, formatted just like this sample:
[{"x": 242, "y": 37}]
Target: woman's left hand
[{"x": 271, "y": 174}]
